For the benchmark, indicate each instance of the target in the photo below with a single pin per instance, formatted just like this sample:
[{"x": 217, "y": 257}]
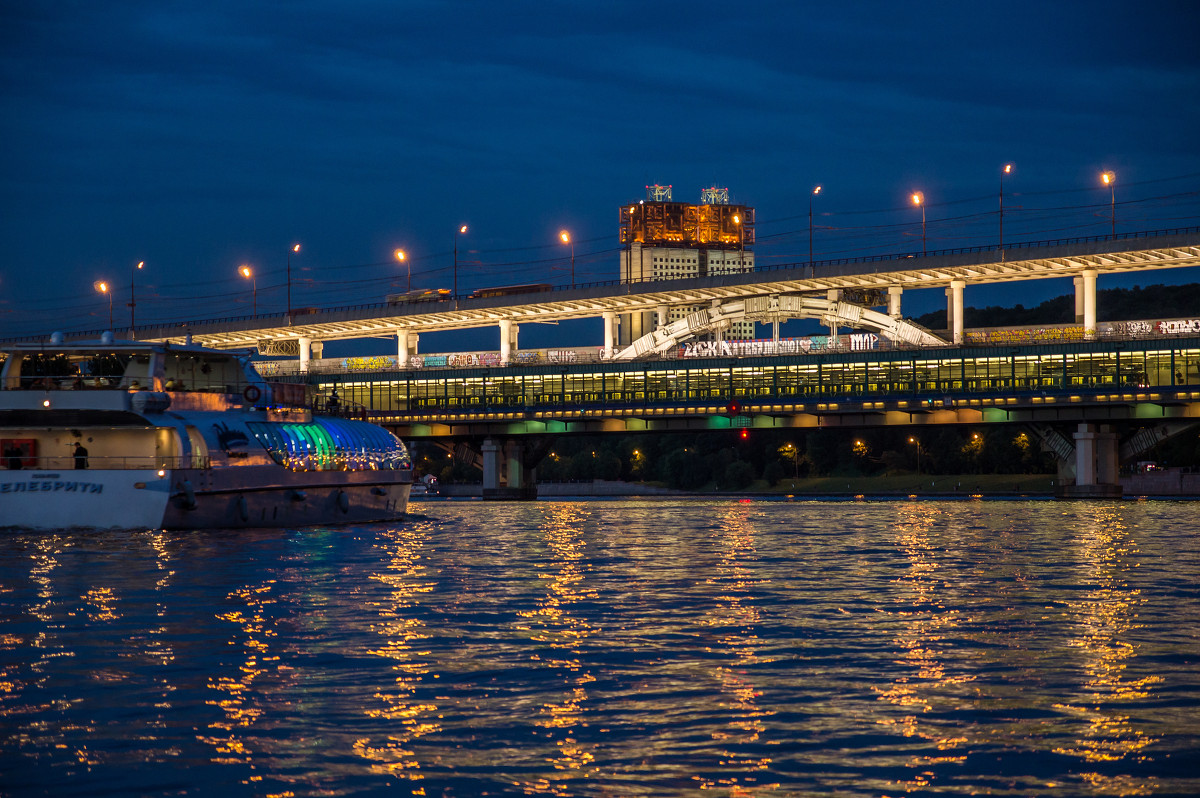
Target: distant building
[{"x": 665, "y": 240}]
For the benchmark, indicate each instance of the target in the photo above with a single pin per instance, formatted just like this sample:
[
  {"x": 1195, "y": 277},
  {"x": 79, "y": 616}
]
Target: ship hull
[{"x": 199, "y": 498}]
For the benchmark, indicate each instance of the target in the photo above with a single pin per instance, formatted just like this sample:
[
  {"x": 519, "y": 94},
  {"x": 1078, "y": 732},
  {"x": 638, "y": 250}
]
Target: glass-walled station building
[{"x": 1145, "y": 370}]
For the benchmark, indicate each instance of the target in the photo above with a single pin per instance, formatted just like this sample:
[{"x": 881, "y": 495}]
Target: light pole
[
  {"x": 814, "y": 193},
  {"x": 295, "y": 248},
  {"x": 1110, "y": 178},
  {"x": 741, "y": 241},
  {"x": 918, "y": 443},
  {"x": 566, "y": 239},
  {"x": 462, "y": 229},
  {"x": 248, "y": 273},
  {"x": 1006, "y": 170},
  {"x": 918, "y": 198},
  {"x": 104, "y": 288},
  {"x": 400, "y": 256},
  {"x": 132, "y": 290}
]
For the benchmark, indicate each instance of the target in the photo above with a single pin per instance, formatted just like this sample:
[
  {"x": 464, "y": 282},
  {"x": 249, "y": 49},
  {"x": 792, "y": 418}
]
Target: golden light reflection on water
[
  {"x": 1105, "y": 618},
  {"x": 253, "y": 634},
  {"x": 923, "y": 622},
  {"x": 554, "y": 624},
  {"x": 403, "y": 639},
  {"x": 737, "y": 615}
]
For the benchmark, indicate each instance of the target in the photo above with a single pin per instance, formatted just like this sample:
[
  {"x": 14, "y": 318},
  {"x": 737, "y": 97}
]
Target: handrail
[
  {"x": 68, "y": 462},
  {"x": 1019, "y": 245}
]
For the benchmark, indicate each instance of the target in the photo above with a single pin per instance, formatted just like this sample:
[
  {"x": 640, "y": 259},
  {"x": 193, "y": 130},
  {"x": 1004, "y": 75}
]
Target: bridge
[
  {"x": 767, "y": 294},
  {"x": 1093, "y": 403}
]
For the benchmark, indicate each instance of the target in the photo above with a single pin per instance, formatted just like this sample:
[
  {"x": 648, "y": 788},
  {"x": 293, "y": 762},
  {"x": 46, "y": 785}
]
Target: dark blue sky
[{"x": 197, "y": 136}]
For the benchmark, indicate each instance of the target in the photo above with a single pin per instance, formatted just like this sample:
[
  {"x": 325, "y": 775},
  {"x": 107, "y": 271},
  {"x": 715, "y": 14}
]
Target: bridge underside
[{"x": 830, "y": 312}]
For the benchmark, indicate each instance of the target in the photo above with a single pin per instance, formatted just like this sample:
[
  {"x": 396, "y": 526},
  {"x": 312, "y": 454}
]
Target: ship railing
[{"x": 69, "y": 462}]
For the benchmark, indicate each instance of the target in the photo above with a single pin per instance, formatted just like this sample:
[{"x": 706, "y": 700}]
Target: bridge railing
[{"x": 283, "y": 316}]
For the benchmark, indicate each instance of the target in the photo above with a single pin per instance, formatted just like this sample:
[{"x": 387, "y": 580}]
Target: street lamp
[
  {"x": 1005, "y": 171},
  {"x": 104, "y": 288},
  {"x": 814, "y": 193},
  {"x": 400, "y": 256},
  {"x": 246, "y": 272},
  {"x": 566, "y": 239},
  {"x": 132, "y": 288},
  {"x": 295, "y": 248},
  {"x": 459, "y": 231},
  {"x": 1109, "y": 179},
  {"x": 918, "y": 198},
  {"x": 918, "y": 444}
]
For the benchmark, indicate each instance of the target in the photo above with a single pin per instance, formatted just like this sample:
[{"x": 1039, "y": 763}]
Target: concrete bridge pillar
[
  {"x": 406, "y": 346},
  {"x": 662, "y": 316},
  {"x": 894, "y": 292},
  {"x": 1088, "y": 284},
  {"x": 1078, "y": 282},
  {"x": 305, "y": 345},
  {"x": 505, "y": 340},
  {"x": 954, "y": 309},
  {"x": 610, "y": 332},
  {"x": 491, "y": 465},
  {"x": 318, "y": 349},
  {"x": 1096, "y": 461}
]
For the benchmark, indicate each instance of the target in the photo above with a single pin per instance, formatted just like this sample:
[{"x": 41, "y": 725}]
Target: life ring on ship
[{"x": 251, "y": 394}]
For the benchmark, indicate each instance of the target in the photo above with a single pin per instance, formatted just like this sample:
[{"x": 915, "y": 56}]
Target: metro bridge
[{"x": 1093, "y": 403}]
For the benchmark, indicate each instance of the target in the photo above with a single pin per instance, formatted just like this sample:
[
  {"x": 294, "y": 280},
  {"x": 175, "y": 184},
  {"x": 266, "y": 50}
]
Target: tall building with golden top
[{"x": 666, "y": 240}]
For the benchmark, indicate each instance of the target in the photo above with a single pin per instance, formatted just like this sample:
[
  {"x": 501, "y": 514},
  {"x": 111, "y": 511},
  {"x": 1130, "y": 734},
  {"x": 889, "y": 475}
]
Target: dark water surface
[{"x": 613, "y": 648}]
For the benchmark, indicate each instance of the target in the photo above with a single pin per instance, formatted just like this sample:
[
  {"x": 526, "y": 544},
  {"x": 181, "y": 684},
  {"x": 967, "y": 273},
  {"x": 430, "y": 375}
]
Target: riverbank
[{"x": 1171, "y": 483}]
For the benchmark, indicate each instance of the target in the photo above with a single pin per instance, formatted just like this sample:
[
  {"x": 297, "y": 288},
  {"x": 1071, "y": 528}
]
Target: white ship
[{"x": 145, "y": 435}]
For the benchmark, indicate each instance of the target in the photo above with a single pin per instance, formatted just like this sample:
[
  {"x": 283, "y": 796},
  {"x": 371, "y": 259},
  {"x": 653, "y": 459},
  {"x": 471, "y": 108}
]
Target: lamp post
[
  {"x": 814, "y": 193},
  {"x": 103, "y": 287},
  {"x": 1006, "y": 170},
  {"x": 741, "y": 241},
  {"x": 1109, "y": 179},
  {"x": 400, "y": 256},
  {"x": 918, "y": 444},
  {"x": 566, "y": 239},
  {"x": 462, "y": 229},
  {"x": 918, "y": 198},
  {"x": 248, "y": 273},
  {"x": 295, "y": 248},
  {"x": 132, "y": 289}
]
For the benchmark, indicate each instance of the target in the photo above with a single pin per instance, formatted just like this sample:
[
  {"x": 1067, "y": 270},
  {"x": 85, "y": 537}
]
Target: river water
[{"x": 613, "y": 648}]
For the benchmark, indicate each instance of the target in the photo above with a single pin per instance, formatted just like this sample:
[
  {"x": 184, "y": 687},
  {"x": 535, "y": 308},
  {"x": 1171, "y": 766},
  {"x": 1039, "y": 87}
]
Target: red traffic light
[
  {"x": 744, "y": 434},
  {"x": 735, "y": 408}
]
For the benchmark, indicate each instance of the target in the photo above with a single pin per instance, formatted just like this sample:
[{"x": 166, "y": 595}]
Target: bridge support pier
[
  {"x": 406, "y": 346},
  {"x": 954, "y": 310},
  {"x": 508, "y": 461},
  {"x": 1087, "y": 281},
  {"x": 508, "y": 339},
  {"x": 1096, "y": 460},
  {"x": 305, "y": 346},
  {"x": 894, "y": 293},
  {"x": 610, "y": 332}
]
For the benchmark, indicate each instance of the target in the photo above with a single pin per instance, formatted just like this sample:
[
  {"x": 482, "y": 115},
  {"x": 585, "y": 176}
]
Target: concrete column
[
  {"x": 662, "y": 314},
  {"x": 512, "y": 338},
  {"x": 491, "y": 464},
  {"x": 305, "y": 345},
  {"x": 1078, "y": 281},
  {"x": 513, "y": 451},
  {"x": 775, "y": 336},
  {"x": 894, "y": 292},
  {"x": 610, "y": 323},
  {"x": 1089, "y": 303},
  {"x": 318, "y": 349},
  {"x": 1096, "y": 455},
  {"x": 505, "y": 340},
  {"x": 956, "y": 308},
  {"x": 402, "y": 348}
]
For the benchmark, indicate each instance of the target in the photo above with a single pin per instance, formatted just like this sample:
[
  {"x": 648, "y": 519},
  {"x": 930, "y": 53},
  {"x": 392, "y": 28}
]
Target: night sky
[{"x": 200, "y": 136}]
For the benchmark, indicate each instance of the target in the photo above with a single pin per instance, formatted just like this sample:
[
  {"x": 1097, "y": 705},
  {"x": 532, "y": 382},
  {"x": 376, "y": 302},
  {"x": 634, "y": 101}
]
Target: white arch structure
[{"x": 830, "y": 312}]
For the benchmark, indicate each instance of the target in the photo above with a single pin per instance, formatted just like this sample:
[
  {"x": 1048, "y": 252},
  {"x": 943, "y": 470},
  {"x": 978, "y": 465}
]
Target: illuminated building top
[{"x": 681, "y": 224}]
